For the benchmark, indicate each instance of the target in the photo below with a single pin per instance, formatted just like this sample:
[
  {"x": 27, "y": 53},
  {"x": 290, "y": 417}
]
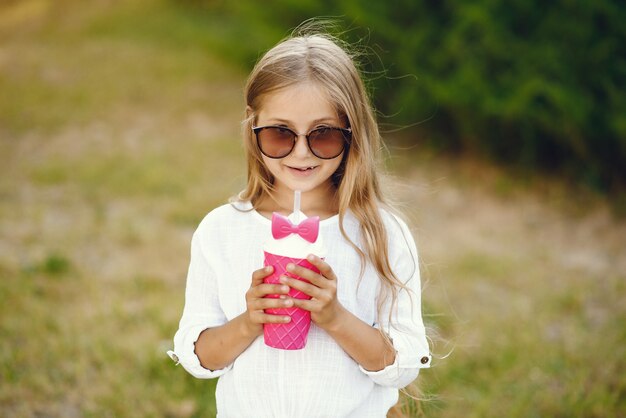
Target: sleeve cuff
[
  {"x": 185, "y": 355},
  {"x": 410, "y": 358},
  {"x": 396, "y": 375}
]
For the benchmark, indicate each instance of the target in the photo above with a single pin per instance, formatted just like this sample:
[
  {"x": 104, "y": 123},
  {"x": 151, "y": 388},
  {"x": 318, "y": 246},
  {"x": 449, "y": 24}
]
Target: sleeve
[
  {"x": 405, "y": 326},
  {"x": 202, "y": 310}
]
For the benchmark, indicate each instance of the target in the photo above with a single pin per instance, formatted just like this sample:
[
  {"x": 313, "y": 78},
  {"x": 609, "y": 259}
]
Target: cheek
[
  {"x": 269, "y": 164},
  {"x": 338, "y": 171},
  {"x": 335, "y": 164}
]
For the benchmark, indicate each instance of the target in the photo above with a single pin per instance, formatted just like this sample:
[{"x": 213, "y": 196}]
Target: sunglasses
[{"x": 326, "y": 142}]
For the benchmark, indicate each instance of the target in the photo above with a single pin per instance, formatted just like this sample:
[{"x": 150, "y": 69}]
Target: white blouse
[{"x": 320, "y": 380}]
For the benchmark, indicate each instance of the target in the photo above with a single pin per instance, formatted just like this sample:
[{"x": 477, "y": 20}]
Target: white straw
[{"x": 296, "y": 206}]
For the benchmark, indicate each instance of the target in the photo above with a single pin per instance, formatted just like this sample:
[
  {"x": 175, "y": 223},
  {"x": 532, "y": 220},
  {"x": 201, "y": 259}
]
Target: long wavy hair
[{"x": 318, "y": 58}]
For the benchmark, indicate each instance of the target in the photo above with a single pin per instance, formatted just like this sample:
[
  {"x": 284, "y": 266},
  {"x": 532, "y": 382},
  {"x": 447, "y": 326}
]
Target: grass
[{"x": 119, "y": 130}]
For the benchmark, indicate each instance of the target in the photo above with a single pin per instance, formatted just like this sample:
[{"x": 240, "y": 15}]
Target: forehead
[{"x": 299, "y": 104}]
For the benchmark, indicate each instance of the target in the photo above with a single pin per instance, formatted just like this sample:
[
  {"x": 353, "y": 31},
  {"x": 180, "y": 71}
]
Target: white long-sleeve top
[{"x": 320, "y": 380}]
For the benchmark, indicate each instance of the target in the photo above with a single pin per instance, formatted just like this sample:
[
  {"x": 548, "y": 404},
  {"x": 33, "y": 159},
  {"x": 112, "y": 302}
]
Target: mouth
[
  {"x": 303, "y": 168},
  {"x": 302, "y": 171}
]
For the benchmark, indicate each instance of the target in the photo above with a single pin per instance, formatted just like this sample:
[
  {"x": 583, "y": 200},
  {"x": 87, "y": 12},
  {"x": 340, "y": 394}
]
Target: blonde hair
[{"x": 319, "y": 58}]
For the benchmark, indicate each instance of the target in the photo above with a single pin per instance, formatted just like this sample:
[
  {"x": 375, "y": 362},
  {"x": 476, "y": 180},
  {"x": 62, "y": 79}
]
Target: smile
[{"x": 302, "y": 171}]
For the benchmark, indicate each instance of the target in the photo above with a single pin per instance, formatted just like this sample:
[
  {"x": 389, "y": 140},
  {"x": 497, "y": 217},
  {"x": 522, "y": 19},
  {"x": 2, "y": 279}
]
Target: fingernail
[
  {"x": 282, "y": 297},
  {"x": 282, "y": 279},
  {"x": 290, "y": 267},
  {"x": 268, "y": 268},
  {"x": 311, "y": 257},
  {"x": 287, "y": 319},
  {"x": 285, "y": 289},
  {"x": 287, "y": 303}
]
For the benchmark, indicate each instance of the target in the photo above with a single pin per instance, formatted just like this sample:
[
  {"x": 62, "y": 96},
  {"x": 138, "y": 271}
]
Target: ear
[{"x": 249, "y": 112}]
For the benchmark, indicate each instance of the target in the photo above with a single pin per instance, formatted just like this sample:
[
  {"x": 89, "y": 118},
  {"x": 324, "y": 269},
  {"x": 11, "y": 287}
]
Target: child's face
[{"x": 301, "y": 107}]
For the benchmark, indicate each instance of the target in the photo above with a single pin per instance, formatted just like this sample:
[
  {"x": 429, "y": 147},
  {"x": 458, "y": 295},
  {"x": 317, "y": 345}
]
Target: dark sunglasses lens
[
  {"x": 275, "y": 142},
  {"x": 327, "y": 142}
]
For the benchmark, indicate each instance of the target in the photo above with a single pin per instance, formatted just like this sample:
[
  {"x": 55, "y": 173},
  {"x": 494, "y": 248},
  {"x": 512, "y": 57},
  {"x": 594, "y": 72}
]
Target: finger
[
  {"x": 306, "y": 273},
  {"x": 304, "y": 287},
  {"x": 269, "y": 303},
  {"x": 264, "y": 318},
  {"x": 324, "y": 268},
  {"x": 307, "y": 305},
  {"x": 264, "y": 289},
  {"x": 260, "y": 274}
]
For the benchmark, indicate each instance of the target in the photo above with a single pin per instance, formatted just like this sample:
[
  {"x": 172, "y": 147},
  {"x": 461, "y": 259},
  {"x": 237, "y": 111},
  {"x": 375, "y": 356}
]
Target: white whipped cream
[{"x": 293, "y": 245}]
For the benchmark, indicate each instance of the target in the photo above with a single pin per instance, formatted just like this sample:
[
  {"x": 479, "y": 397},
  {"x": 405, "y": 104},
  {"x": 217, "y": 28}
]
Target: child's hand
[
  {"x": 324, "y": 306},
  {"x": 256, "y": 301}
]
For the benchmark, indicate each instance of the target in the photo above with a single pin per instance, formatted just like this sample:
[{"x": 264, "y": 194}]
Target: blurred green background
[
  {"x": 547, "y": 76},
  {"x": 119, "y": 130}
]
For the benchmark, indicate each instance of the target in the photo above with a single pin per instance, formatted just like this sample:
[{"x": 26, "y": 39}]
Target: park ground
[{"x": 116, "y": 139}]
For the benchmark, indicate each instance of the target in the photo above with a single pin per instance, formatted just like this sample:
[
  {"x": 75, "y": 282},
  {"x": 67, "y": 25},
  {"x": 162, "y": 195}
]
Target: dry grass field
[{"x": 119, "y": 130}]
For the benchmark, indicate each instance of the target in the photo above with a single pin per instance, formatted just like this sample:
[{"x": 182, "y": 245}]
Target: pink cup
[{"x": 292, "y": 335}]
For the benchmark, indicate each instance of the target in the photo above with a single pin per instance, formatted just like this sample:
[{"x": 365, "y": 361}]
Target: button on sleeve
[
  {"x": 406, "y": 327},
  {"x": 202, "y": 309}
]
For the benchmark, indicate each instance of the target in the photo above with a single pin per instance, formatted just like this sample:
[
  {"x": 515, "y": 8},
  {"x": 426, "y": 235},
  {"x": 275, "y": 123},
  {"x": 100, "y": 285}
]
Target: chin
[{"x": 304, "y": 188}]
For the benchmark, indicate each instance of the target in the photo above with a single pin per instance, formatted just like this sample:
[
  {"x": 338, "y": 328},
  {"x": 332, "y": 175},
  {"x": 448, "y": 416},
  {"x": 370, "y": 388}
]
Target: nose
[{"x": 301, "y": 148}]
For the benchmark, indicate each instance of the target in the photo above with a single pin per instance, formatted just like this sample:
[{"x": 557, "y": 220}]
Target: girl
[{"x": 309, "y": 126}]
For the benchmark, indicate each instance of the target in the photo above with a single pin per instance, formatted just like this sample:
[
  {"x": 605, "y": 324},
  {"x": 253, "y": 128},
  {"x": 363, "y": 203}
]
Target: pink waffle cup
[{"x": 292, "y": 335}]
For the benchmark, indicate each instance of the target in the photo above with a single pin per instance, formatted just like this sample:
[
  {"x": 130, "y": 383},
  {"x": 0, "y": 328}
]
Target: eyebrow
[{"x": 314, "y": 122}]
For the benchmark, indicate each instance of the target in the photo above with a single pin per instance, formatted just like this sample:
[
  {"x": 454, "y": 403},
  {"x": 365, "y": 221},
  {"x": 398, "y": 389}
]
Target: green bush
[{"x": 529, "y": 83}]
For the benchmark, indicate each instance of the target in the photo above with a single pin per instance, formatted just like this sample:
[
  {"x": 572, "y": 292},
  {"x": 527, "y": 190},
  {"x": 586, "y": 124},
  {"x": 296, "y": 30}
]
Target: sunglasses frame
[{"x": 347, "y": 135}]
